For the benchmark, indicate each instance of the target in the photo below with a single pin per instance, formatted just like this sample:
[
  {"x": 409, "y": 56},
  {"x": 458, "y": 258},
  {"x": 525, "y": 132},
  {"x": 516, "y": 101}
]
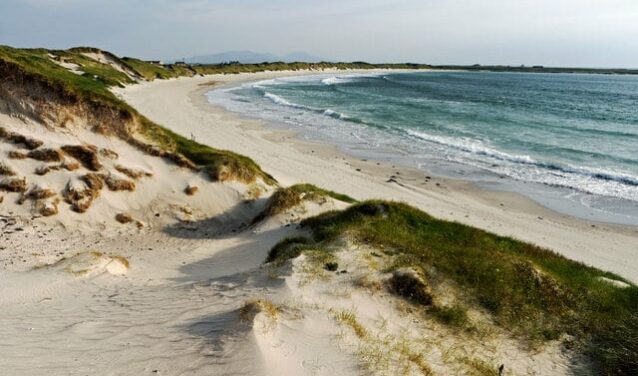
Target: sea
[{"x": 567, "y": 141}]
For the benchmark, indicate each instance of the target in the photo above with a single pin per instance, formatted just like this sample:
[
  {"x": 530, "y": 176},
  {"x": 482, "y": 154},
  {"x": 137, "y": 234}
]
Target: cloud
[{"x": 567, "y": 32}]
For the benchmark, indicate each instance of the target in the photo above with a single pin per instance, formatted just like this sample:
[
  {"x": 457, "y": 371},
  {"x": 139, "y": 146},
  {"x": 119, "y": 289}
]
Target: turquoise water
[{"x": 566, "y": 140}]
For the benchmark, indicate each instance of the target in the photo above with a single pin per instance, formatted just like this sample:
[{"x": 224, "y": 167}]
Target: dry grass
[
  {"x": 46, "y": 155},
  {"x": 254, "y": 192},
  {"x": 369, "y": 283},
  {"x": 94, "y": 181},
  {"x": 349, "y": 318},
  {"x": 70, "y": 166},
  {"x": 253, "y": 307},
  {"x": 48, "y": 208},
  {"x": 315, "y": 265},
  {"x": 29, "y": 143},
  {"x": 6, "y": 170},
  {"x": 82, "y": 197},
  {"x": 383, "y": 352},
  {"x": 108, "y": 153},
  {"x": 283, "y": 199},
  {"x": 85, "y": 154},
  {"x": 40, "y": 193},
  {"x": 13, "y": 154},
  {"x": 410, "y": 284},
  {"x": 14, "y": 184},
  {"x": 191, "y": 189},
  {"x": 116, "y": 184},
  {"x": 43, "y": 170},
  {"x": 124, "y": 218},
  {"x": 479, "y": 367},
  {"x": 132, "y": 173}
]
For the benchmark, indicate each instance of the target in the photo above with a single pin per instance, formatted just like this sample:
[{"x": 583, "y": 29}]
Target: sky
[{"x": 587, "y": 33}]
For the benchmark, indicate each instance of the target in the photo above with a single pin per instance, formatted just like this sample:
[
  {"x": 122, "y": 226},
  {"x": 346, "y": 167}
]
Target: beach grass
[
  {"x": 147, "y": 70},
  {"x": 533, "y": 292},
  {"x": 213, "y": 161},
  {"x": 289, "y": 197}
]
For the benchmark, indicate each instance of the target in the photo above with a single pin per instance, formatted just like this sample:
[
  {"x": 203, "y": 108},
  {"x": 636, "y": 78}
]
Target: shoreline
[
  {"x": 181, "y": 105},
  {"x": 552, "y": 197}
]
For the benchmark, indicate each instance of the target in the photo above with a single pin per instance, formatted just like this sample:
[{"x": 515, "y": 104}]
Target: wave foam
[
  {"x": 585, "y": 179},
  {"x": 335, "y": 80},
  {"x": 335, "y": 114},
  {"x": 279, "y": 100},
  {"x": 471, "y": 146}
]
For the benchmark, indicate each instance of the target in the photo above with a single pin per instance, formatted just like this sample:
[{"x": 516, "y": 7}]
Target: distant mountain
[{"x": 250, "y": 57}]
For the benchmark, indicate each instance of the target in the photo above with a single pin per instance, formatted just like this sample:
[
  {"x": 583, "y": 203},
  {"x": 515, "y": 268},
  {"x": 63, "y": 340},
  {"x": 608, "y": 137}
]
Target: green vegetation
[
  {"x": 148, "y": 71},
  {"x": 287, "y": 249},
  {"x": 454, "y": 316},
  {"x": 94, "y": 69},
  {"x": 536, "y": 293},
  {"x": 221, "y": 165},
  {"x": 287, "y": 198},
  {"x": 36, "y": 65},
  {"x": 313, "y": 192}
]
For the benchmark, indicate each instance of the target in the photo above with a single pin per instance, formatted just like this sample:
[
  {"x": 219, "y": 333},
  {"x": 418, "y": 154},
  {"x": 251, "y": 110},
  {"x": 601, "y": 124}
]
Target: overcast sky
[{"x": 592, "y": 33}]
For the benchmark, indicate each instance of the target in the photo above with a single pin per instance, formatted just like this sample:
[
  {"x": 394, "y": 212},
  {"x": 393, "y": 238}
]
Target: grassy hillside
[
  {"x": 90, "y": 87},
  {"x": 533, "y": 292}
]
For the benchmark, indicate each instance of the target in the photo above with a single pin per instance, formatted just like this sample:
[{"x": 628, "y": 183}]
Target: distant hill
[{"x": 250, "y": 57}]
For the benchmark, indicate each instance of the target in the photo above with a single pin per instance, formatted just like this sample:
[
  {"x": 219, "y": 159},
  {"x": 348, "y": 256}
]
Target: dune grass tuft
[
  {"x": 6, "y": 170},
  {"x": 14, "y": 184},
  {"x": 253, "y": 307},
  {"x": 85, "y": 154},
  {"x": 219, "y": 165},
  {"x": 46, "y": 155},
  {"x": 286, "y": 249},
  {"x": 287, "y": 198},
  {"x": 349, "y": 318}
]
